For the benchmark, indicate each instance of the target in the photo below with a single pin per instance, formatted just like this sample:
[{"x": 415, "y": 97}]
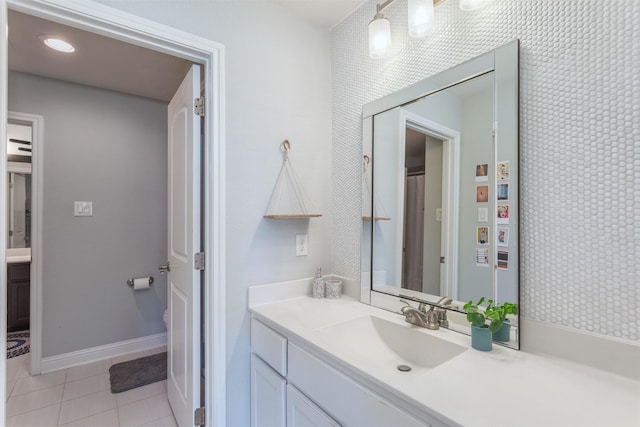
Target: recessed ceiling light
[{"x": 57, "y": 43}]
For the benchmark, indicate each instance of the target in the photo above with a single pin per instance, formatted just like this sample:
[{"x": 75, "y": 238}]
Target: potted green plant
[
  {"x": 498, "y": 315},
  {"x": 481, "y": 333}
]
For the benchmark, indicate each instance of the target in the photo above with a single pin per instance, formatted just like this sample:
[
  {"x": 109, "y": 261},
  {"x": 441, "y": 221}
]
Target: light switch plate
[
  {"x": 82, "y": 208},
  {"x": 302, "y": 244}
]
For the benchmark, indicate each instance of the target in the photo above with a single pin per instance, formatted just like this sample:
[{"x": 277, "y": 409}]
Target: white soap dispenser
[{"x": 318, "y": 285}]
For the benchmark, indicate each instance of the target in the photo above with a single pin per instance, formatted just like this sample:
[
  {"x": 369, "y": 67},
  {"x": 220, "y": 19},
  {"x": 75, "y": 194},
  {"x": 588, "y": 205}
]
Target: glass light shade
[
  {"x": 379, "y": 36},
  {"x": 421, "y": 17},
  {"x": 473, "y": 4}
]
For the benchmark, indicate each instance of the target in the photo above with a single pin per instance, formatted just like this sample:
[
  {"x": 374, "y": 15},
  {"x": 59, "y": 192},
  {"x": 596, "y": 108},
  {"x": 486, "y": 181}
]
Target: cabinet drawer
[
  {"x": 362, "y": 407},
  {"x": 270, "y": 346},
  {"x": 18, "y": 272}
]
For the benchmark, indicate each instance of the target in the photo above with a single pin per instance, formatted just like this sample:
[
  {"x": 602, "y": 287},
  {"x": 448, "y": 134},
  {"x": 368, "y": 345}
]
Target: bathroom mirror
[
  {"x": 19, "y": 185},
  {"x": 440, "y": 189}
]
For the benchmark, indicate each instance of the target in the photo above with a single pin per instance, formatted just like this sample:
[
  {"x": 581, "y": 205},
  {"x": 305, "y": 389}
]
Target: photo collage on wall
[
  {"x": 502, "y": 209},
  {"x": 483, "y": 232}
]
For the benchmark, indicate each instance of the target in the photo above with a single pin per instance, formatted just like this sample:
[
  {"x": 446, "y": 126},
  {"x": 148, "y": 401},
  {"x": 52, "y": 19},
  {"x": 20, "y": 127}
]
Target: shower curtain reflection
[{"x": 412, "y": 269}]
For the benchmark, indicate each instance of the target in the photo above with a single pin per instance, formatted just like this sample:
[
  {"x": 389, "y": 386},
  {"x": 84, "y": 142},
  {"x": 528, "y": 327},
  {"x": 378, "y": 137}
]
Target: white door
[{"x": 183, "y": 281}]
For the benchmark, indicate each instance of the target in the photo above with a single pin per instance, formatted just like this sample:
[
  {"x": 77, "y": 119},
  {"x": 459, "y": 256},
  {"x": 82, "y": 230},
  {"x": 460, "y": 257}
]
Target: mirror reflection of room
[
  {"x": 19, "y": 154},
  {"x": 19, "y": 186},
  {"x": 423, "y": 212},
  {"x": 446, "y": 158}
]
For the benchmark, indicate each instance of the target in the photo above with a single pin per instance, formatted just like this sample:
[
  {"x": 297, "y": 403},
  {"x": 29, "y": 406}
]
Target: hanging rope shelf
[
  {"x": 289, "y": 199},
  {"x": 379, "y": 213}
]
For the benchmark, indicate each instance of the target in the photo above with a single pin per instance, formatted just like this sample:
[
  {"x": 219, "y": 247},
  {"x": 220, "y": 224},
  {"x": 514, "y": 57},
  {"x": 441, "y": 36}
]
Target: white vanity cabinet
[
  {"x": 302, "y": 412},
  {"x": 273, "y": 402},
  {"x": 268, "y": 395},
  {"x": 291, "y": 387}
]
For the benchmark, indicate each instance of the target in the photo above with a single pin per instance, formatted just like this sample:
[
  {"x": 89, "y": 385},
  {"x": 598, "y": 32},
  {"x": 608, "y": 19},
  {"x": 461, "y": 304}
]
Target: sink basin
[{"x": 392, "y": 344}]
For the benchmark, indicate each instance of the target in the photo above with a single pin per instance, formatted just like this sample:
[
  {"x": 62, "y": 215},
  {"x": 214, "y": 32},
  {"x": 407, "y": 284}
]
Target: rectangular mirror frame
[{"x": 504, "y": 61}]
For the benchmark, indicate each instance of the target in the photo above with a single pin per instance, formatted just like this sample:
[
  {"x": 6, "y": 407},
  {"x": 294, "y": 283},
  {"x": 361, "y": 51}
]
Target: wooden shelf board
[{"x": 292, "y": 216}]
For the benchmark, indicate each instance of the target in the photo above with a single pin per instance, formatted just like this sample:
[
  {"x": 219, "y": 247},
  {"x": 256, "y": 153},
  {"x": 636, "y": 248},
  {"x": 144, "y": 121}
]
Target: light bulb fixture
[
  {"x": 467, "y": 5},
  {"x": 420, "y": 21},
  {"x": 379, "y": 36},
  {"x": 420, "y": 18},
  {"x": 57, "y": 43}
]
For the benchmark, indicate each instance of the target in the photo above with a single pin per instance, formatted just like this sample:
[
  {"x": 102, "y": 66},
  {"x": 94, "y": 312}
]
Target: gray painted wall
[
  {"x": 108, "y": 148},
  {"x": 476, "y": 147}
]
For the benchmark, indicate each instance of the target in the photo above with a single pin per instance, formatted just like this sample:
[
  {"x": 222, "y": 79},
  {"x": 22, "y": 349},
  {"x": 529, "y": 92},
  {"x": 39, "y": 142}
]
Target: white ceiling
[
  {"x": 326, "y": 13},
  {"x": 114, "y": 65}
]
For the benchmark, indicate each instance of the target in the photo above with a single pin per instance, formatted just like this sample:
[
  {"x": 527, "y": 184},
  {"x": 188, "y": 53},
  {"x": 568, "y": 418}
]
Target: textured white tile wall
[{"x": 579, "y": 143}]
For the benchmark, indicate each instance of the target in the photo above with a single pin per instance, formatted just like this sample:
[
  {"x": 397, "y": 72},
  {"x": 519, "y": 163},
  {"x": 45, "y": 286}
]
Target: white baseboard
[{"x": 94, "y": 354}]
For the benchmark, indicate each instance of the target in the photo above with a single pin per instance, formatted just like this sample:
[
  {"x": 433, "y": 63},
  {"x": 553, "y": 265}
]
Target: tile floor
[{"x": 81, "y": 396}]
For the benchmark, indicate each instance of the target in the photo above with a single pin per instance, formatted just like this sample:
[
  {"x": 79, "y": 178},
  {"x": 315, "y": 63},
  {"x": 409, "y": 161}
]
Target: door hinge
[
  {"x": 198, "y": 261},
  {"x": 198, "y": 417},
  {"x": 441, "y": 260},
  {"x": 198, "y": 106}
]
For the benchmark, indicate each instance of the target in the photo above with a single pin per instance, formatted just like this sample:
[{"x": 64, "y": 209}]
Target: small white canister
[{"x": 332, "y": 288}]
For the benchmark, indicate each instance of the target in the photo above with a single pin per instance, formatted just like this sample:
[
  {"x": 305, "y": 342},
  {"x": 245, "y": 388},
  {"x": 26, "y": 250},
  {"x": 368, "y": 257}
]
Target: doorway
[
  {"x": 209, "y": 54},
  {"x": 26, "y": 257},
  {"x": 437, "y": 148}
]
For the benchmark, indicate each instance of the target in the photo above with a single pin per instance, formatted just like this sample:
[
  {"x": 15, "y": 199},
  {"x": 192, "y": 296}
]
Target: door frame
[
  {"x": 35, "y": 287},
  {"x": 114, "y": 23},
  {"x": 450, "y": 192}
]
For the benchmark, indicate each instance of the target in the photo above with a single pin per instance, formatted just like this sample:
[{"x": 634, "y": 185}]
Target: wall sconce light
[{"x": 420, "y": 21}]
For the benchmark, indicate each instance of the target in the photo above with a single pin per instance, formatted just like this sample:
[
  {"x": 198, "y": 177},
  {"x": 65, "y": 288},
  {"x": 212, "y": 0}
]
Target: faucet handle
[
  {"x": 403, "y": 309},
  {"x": 433, "y": 320}
]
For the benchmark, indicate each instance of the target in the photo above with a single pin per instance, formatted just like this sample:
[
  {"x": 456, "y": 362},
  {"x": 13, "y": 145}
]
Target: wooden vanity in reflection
[{"x": 18, "y": 296}]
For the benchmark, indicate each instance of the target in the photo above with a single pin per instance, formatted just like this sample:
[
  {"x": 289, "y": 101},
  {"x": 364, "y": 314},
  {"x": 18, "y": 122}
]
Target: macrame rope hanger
[
  {"x": 379, "y": 213},
  {"x": 289, "y": 200}
]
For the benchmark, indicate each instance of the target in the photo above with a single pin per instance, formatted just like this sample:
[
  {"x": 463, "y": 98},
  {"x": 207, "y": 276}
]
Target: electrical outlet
[
  {"x": 302, "y": 244},
  {"x": 82, "y": 208}
]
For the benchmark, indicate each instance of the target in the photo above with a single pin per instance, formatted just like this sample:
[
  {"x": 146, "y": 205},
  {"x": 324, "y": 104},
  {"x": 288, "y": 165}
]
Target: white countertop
[
  {"x": 15, "y": 255},
  {"x": 510, "y": 388}
]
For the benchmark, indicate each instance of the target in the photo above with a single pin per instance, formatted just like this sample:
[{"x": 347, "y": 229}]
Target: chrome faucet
[
  {"x": 433, "y": 318},
  {"x": 419, "y": 316}
]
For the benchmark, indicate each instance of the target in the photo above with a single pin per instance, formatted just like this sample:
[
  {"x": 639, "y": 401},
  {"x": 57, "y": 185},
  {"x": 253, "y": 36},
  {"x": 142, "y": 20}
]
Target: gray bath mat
[{"x": 136, "y": 373}]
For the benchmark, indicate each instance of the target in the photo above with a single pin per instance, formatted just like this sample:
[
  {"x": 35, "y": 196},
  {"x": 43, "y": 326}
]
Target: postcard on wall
[
  {"x": 482, "y": 193},
  {"x": 482, "y": 257},
  {"x": 483, "y": 214},
  {"x": 503, "y": 214},
  {"x": 503, "y": 171},
  {"x": 503, "y": 260},
  {"x": 481, "y": 172},
  {"x": 503, "y": 191},
  {"x": 503, "y": 236},
  {"x": 483, "y": 235}
]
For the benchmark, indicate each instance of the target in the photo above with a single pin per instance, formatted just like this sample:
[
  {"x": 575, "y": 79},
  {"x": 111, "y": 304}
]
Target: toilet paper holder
[{"x": 130, "y": 281}]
